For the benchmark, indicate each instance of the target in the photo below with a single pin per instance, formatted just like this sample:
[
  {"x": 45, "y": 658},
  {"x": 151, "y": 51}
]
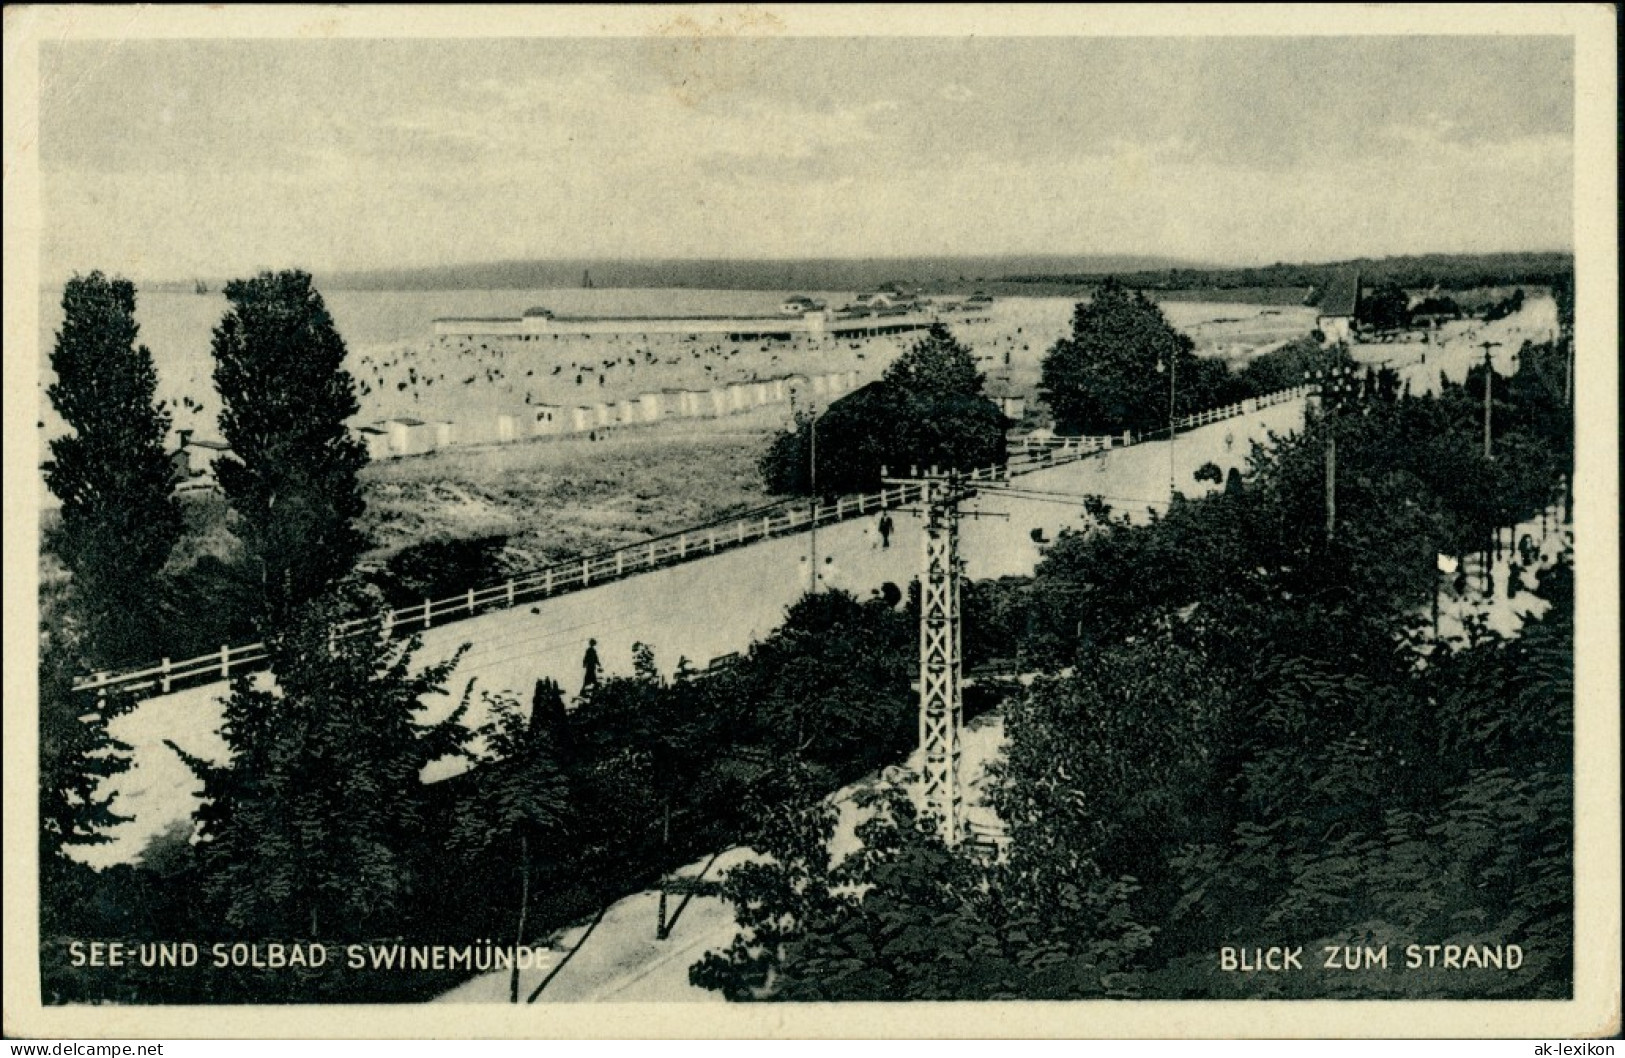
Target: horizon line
[{"x": 1171, "y": 263}]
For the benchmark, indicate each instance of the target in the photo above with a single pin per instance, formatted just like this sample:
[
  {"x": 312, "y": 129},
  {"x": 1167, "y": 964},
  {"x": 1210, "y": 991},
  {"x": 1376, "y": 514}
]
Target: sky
[{"x": 168, "y": 159}]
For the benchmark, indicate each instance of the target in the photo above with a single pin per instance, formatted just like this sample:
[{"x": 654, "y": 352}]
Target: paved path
[{"x": 700, "y": 610}]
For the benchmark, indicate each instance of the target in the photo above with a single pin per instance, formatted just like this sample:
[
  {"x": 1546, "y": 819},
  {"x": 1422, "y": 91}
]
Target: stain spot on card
[{"x": 699, "y": 62}]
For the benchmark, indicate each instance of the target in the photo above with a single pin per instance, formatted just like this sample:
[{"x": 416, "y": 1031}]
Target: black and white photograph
[{"x": 732, "y": 514}]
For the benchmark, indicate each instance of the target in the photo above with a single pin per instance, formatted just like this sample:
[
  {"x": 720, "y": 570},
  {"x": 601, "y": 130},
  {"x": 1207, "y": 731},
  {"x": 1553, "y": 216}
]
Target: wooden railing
[{"x": 577, "y": 574}]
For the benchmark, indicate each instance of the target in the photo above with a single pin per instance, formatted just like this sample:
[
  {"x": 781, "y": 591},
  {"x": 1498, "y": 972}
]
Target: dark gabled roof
[
  {"x": 857, "y": 396},
  {"x": 1342, "y": 297}
]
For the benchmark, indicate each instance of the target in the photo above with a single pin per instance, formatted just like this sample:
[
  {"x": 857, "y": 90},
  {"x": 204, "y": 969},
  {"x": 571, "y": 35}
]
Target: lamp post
[
  {"x": 1335, "y": 383},
  {"x": 812, "y": 488},
  {"x": 1168, "y": 366},
  {"x": 1489, "y": 373},
  {"x": 812, "y": 473}
]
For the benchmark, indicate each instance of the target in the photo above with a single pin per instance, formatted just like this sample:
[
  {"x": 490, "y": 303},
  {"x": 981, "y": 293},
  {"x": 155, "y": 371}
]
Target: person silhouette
[
  {"x": 590, "y": 666},
  {"x": 885, "y": 528}
]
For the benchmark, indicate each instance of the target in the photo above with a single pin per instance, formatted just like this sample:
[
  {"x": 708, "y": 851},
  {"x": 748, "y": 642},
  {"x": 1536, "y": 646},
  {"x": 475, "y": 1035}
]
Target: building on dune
[
  {"x": 375, "y": 439},
  {"x": 411, "y": 437},
  {"x": 799, "y": 304},
  {"x": 194, "y": 459},
  {"x": 1339, "y": 306}
]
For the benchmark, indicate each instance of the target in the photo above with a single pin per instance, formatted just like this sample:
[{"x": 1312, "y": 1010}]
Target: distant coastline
[{"x": 1010, "y": 275}]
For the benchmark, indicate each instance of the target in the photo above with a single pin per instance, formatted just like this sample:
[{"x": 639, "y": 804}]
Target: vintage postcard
[{"x": 988, "y": 521}]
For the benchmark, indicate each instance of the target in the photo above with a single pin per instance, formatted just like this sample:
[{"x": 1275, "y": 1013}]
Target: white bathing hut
[{"x": 411, "y": 437}]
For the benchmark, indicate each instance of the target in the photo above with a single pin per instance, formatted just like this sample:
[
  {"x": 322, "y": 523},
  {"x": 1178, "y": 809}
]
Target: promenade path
[{"x": 700, "y": 610}]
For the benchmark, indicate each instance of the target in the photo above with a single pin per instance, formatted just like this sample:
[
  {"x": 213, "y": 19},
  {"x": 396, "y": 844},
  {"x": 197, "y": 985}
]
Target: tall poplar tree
[
  {"x": 119, "y": 517},
  {"x": 119, "y": 521},
  {"x": 291, "y": 474}
]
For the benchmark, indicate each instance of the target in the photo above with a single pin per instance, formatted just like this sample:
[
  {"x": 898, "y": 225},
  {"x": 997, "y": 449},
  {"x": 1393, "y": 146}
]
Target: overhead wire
[{"x": 1081, "y": 498}]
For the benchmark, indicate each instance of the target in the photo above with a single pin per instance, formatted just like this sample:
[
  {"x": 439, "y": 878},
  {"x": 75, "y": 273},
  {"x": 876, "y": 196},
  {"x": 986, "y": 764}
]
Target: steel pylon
[{"x": 941, "y": 700}]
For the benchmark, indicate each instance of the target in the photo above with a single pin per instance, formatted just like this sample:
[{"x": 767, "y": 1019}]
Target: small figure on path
[
  {"x": 885, "y": 528},
  {"x": 590, "y": 666}
]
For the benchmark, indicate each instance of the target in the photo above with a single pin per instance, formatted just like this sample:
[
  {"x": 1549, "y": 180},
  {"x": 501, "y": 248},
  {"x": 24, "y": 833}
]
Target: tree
[
  {"x": 77, "y": 754},
  {"x": 902, "y": 917},
  {"x": 774, "y": 897},
  {"x": 928, "y": 410},
  {"x": 119, "y": 521},
  {"x": 830, "y": 686},
  {"x": 786, "y": 464},
  {"x": 291, "y": 472},
  {"x": 1387, "y": 308},
  {"x": 1105, "y": 763},
  {"x": 306, "y": 828},
  {"x": 883, "y": 425},
  {"x": 664, "y": 734},
  {"x": 1110, "y": 374},
  {"x": 518, "y": 797},
  {"x": 1435, "y": 305},
  {"x": 936, "y": 364},
  {"x": 119, "y": 517},
  {"x": 1286, "y": 366}
]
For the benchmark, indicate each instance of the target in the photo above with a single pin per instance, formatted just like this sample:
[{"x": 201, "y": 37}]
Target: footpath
[{"x": 700, "y": 609}]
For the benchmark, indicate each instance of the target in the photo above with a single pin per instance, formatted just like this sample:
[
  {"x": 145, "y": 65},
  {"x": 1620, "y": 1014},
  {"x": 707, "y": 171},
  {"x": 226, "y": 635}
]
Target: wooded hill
[{"x": 1425, "y": 271}]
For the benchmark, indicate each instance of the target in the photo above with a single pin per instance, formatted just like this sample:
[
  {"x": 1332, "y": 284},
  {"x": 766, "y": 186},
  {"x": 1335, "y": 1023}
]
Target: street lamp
[
  {"x": 812, "y": 488},
  {"x": 1489, "y": 374},
  {"x": 1168, "y": 366},
  {"x": 812, "y": 474},
  {"x": 1333, "y": 382}
]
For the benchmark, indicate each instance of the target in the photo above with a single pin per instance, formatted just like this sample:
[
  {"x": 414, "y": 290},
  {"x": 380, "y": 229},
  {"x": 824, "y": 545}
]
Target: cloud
[{"x": 194, "y": 156}]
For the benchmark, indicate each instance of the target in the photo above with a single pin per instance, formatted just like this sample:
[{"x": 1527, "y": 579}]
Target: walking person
[
  {"x": 885, "y": 528},
  {"x": 590, "y": 666}
]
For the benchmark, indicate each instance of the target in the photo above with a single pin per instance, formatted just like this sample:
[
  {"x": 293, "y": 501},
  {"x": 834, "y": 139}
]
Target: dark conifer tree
[
  {"x": 291, "y": 474},
  {"x": 77, "y": 754},
  {"x": 115, "y": 482},
  {"x": 119, "y": 521}
]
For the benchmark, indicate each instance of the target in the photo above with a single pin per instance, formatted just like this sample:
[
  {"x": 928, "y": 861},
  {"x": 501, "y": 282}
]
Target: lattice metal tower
[
  {"x": 941, "y": 703},
  {"x": 941, "y": 700}
]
